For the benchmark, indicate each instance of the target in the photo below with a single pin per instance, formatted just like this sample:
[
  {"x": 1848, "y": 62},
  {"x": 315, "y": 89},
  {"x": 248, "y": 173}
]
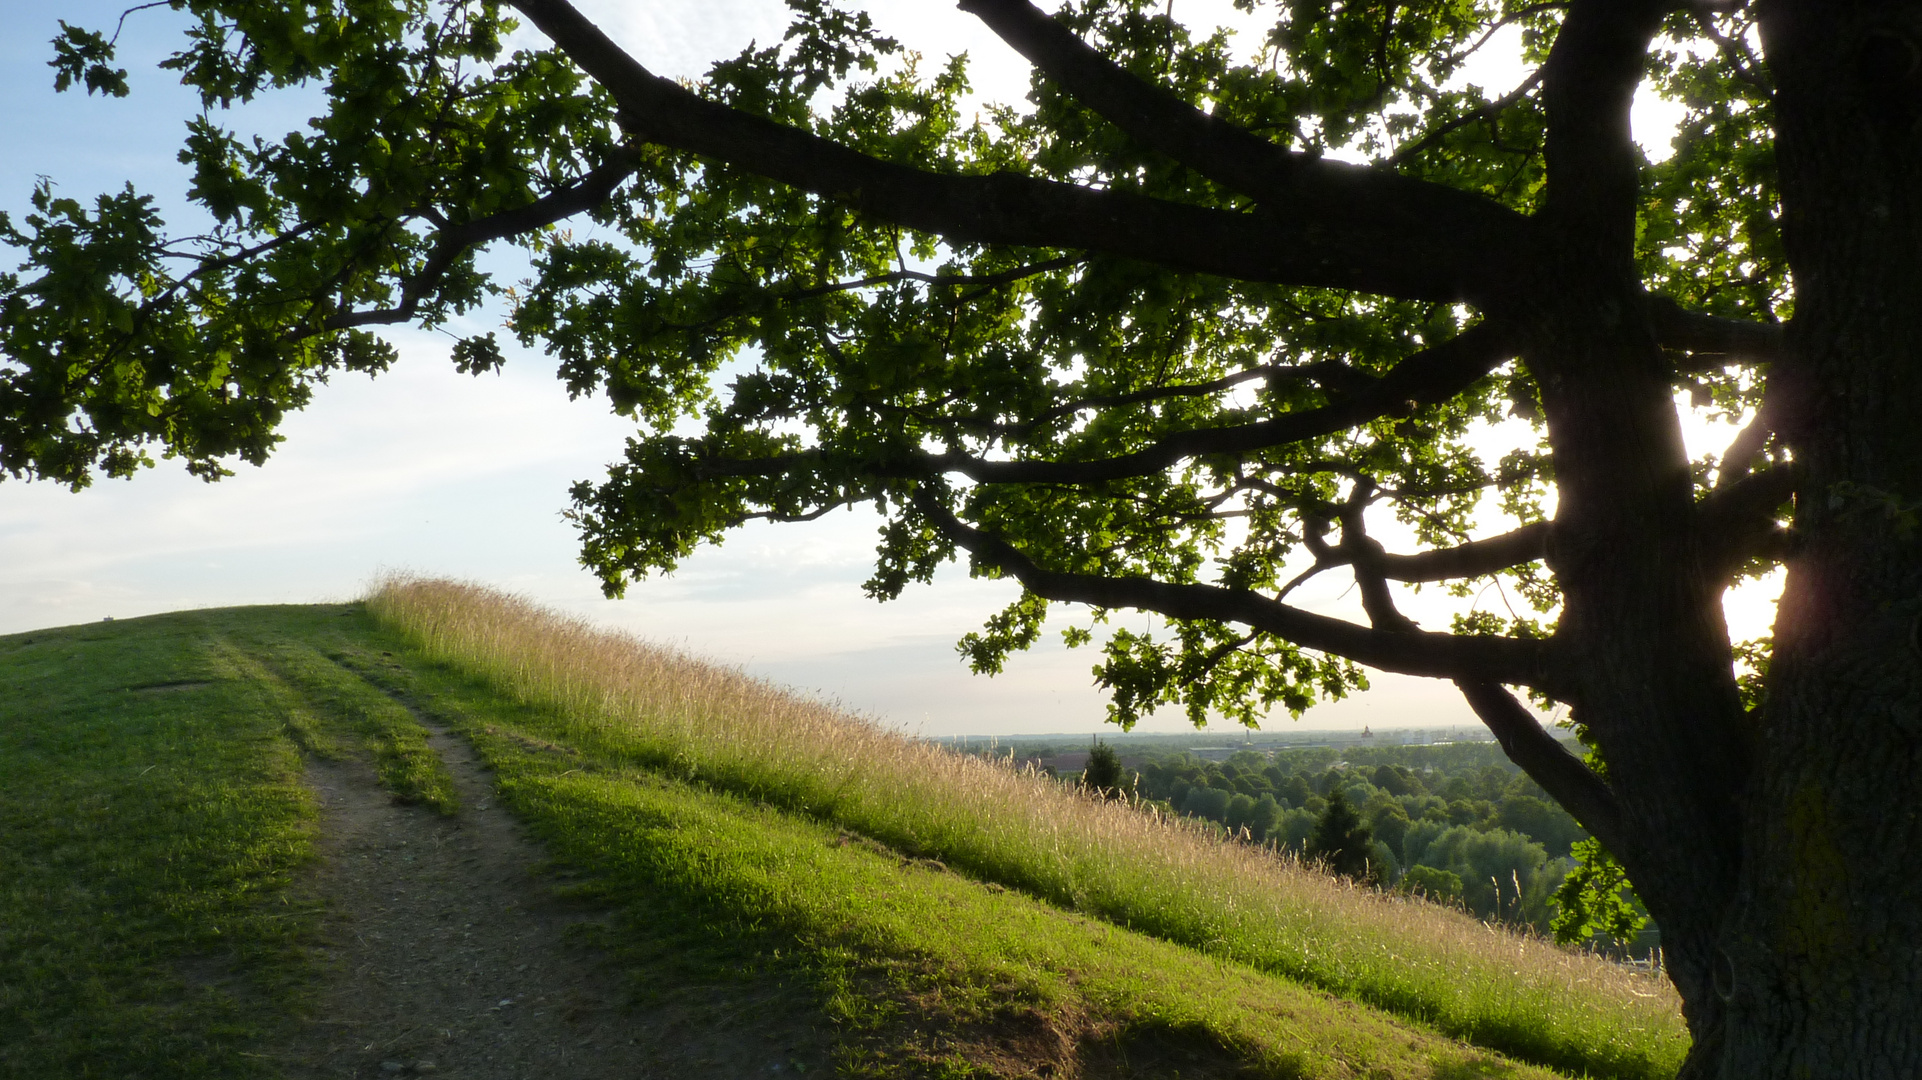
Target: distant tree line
[{"x": 1456, "y": 823}]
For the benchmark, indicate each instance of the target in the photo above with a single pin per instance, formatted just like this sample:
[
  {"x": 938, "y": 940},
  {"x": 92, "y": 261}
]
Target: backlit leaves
[{"x": 784, "y": 355}]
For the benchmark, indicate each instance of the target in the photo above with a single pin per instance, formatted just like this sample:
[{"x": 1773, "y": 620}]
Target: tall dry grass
[{"x": 615, "y": 695}]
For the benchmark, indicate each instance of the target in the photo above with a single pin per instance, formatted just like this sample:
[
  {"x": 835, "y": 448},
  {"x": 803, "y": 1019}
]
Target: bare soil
[{"x": 447, "y": 952}]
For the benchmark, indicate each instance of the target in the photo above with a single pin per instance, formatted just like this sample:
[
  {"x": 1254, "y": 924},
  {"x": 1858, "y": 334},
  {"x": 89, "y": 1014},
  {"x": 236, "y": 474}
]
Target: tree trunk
[
  {"x": 1641, "y": 634},
  {"x": 1820, "y": 958},
  {"x": 1771, "y": 851},
  {"x": 1643, "y": 629}
]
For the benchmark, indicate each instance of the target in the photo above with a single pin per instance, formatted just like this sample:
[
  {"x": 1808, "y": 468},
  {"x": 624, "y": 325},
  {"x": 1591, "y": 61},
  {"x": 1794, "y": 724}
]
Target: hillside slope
[{"x": 165, "y": 910}]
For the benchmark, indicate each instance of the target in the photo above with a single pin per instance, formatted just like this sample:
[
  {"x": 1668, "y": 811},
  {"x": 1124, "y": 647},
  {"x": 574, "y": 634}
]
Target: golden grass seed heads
[{"x": 1100, "y": 853}]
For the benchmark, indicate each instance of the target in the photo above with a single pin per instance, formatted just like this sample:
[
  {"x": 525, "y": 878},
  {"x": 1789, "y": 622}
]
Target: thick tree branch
[
  {"x": 1431, "y": 376},
  {"x": 1548, "y": 763},
  {"x": 1753, "y": 498},
  {"x": 1364, "y": 553},
  {"x": 1774, "y": 416},
  {"x": 1588, "y": 84},
  {"x": 1741, "y": 451},
  {"x": 1472, "y": 559},
  {"x": 1290, "y": 244},
  {"x": 1402, "y": 217},
  {"x": 1447, "y": 656},
  {"x": 1737, "y": 520},
  {"x": 1711, "y": 341}
]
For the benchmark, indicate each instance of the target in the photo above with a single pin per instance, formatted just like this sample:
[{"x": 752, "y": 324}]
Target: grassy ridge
[
  {"x": 150, "y": 816},
  {"x": 978, "y": 962},
  {"x": 637, "y": 707},
  {"x": 152, "y": 819}
]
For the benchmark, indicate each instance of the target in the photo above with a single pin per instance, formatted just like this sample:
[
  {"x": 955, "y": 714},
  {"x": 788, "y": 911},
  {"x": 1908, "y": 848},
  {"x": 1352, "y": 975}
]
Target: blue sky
[{"x": 428, "y": 471}]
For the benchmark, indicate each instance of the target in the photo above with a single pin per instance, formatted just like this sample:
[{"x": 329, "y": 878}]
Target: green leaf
[{"x": 85, "y": 57}]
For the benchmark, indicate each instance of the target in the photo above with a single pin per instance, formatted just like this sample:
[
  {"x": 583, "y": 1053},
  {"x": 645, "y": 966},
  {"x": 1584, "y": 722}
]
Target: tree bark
[{"x": 1820, "y": 961}]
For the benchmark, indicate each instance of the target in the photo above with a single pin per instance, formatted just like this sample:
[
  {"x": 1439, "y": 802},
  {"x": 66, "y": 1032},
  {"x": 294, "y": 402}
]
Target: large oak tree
[{"x": 1170, "y": 337}]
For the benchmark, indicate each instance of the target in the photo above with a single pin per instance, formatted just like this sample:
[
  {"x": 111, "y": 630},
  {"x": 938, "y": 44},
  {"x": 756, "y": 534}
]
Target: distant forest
[{"x": 1456, "y": 822}]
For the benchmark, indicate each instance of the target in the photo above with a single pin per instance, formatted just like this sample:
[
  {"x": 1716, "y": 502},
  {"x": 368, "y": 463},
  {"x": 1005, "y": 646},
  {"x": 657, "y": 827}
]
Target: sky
[{"x": 427, "y": 471}]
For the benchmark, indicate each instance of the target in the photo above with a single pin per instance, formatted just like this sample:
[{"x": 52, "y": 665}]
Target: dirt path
[{"x": 446, "y": 954}]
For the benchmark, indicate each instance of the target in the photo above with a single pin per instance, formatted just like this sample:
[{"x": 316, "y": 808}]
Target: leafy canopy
[{"x": 786, "y": 349}]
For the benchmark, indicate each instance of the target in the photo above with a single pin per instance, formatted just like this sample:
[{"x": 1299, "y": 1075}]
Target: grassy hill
[{"x": 948, "y": 917}]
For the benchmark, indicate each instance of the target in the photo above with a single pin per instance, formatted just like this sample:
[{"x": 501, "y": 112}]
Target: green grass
[
  {"x": 154, "y": 831},
  {"x": 881, "y": 934},
  {"x": 152, "y": 818},
  {"x": 642, "y": 708},
  {"x": 292, "y": 660}
]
